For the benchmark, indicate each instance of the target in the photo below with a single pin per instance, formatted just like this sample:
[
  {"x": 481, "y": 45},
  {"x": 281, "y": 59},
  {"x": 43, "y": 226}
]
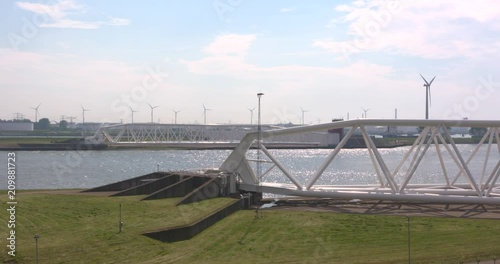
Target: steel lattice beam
[{"x": 481, "y": 187}]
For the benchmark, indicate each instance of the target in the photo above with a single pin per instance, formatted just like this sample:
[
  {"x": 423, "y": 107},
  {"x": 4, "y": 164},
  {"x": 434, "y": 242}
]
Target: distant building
[
  {"x": 392, "y": 130},
  {"x": 90, "y": 126},
  {"x": 15, "y": 126}
]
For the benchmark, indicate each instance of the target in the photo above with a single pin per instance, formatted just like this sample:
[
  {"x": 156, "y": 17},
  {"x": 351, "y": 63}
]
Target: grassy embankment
[
  {"x": 84, "y": 229},
  {"x": 37, "y": 140}
]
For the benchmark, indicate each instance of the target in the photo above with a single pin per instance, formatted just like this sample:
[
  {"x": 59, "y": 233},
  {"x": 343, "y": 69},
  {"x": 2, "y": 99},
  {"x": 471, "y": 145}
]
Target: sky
[{"x": 319, "y": 59}]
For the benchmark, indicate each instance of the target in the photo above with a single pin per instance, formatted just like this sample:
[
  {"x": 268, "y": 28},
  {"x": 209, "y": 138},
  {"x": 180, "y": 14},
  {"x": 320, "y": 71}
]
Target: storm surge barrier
[
  {"x": 432, "y": 168},
  {"x": 197, "y": 136}
]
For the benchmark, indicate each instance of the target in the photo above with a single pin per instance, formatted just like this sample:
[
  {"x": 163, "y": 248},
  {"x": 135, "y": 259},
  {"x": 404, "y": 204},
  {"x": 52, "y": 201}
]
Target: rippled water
[
  {"x": 85, "y": 169},
  {"x": 354, "y": 166}
]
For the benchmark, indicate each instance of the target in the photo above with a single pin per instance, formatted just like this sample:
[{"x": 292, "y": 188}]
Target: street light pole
[
  {"x": 37, "y": 236},
  {"x": 409, "y": 258},
  {"x": 259, "y": 136},
  {"x": 120, "y": 223}
]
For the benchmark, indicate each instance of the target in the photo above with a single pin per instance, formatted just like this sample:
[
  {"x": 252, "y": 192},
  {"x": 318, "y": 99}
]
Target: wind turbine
[
  {"x": 303, "y": 111},
  {"x": 251, "y": 115},
  {"x": 175, "y": 112},
  {"x": 36, "y": 112},
  {"x": 152, "y": 110},
  {"x": 365, "y": 110},
  {"x": 205, "y": 113},
  {"x": 132, "y": 111},
  {"x": 427, "y": 86},
  {"x": 83, "y": 113}
]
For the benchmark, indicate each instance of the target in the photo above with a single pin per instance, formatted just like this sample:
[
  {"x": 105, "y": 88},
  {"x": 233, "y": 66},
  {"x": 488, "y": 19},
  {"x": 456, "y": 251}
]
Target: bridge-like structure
[
  {"x": 464, "y": 174},
  {"x": 198, "y": 136}
]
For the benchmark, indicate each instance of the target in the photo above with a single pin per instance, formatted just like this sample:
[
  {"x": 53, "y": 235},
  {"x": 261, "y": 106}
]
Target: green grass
[{"x": 84, "y": 229}]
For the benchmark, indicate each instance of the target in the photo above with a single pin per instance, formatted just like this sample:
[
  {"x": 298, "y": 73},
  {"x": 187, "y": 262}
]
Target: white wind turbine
[
  {"x": 427, "y": 86},
  {"x": 152, "y": 111},
  {"x": 83, "y": 113},
  {"x": 36, "y": 112},
  {"x": 205, "y": 114},
  {"x": 303, "y": 111},
  {"x": 132, "y": 111},
  {"x": 175, "y": 113},
  {"x": 251, "y": 115},
  {"x": 365, "y": 111}
]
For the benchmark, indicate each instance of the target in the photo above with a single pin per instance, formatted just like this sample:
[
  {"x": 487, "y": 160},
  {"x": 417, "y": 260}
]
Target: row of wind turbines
[
  {"x": 37, "y": 113},
  {"x": 427, "y": 86},
  {"x": 132, "y": 111},
  {"x": 428, "y": 102}
]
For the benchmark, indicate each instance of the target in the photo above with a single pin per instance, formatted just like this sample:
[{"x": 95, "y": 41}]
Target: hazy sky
[{"x": 328, "y": 57}]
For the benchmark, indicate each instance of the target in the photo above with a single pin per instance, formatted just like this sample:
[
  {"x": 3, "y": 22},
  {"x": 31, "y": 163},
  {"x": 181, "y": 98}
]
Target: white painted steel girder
[
  {"x": 479, "y": 189},
  {"x": 141, "y": 133}
]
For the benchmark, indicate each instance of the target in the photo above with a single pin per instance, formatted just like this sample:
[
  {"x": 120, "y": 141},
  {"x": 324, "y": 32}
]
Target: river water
[{"x": 86, "y": 169}]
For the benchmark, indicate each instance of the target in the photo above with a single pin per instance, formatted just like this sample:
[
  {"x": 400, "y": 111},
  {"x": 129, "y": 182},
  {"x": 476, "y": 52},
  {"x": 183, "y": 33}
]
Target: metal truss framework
[
  {"x": 140, "y": 133},
  {"x": 478, "y": 188},
  {"x": 156, "y": 133}
]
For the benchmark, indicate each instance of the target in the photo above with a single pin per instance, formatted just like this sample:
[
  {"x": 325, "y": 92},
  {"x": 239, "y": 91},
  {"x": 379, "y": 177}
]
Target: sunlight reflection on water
[{"x": 85, "y": 169}]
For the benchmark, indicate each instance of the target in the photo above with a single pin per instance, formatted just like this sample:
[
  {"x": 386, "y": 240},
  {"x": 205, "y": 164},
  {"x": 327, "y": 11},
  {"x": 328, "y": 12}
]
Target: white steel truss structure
[
  {"x": 150, "y": 133},
  {"x": 474, "y": 178},
  {"x": 156, "y": 133}
]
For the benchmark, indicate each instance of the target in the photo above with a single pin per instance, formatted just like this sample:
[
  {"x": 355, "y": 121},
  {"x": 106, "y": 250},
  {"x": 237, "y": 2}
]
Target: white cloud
[
  {"x": 230, "y": 44},
  {"x": 287, "y": 9},
  {"x": 232, "y": 62},
  {"x": 227, "y": 53},
  {"x": 428, "y": 29},
  {"x": 328, "y": 90},
  {"x": 68, "y": 23},
  {"x": 56, "y": 12},
  {"x": 118, "y": 21},
  {"x": 57, "y": 15},
  {"x": 62, "y": 82}
]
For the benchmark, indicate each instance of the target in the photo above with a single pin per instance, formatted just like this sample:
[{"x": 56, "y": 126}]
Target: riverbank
[{"x": 47, "y": 143}]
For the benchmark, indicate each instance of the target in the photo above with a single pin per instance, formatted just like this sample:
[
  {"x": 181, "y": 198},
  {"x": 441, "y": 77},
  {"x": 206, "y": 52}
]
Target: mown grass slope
[{"x": 76, "y": 228}]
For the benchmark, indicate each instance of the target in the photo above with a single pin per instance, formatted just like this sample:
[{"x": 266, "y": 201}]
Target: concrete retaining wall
[{"x": 185, "y": 232}]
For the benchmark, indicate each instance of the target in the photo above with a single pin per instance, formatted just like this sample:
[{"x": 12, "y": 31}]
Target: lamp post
[
  {"x": 120, "y": 223},
  {"x": 409, "y": 258},
  {"x": 37, "y": 236},
  {"x": 259, "y": 136}
]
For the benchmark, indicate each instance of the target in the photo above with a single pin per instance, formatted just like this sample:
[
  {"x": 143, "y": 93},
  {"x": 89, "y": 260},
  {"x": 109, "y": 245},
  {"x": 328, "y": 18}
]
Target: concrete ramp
[
  {"x": 184, "y": 232},
  {"x": 129, "y": 183},
  {"x": 189, "y": 186},
  {"x": 177, "y": 189},
  {"x": 210, "y": 189},
  {"x": 150, "y": 186}
]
